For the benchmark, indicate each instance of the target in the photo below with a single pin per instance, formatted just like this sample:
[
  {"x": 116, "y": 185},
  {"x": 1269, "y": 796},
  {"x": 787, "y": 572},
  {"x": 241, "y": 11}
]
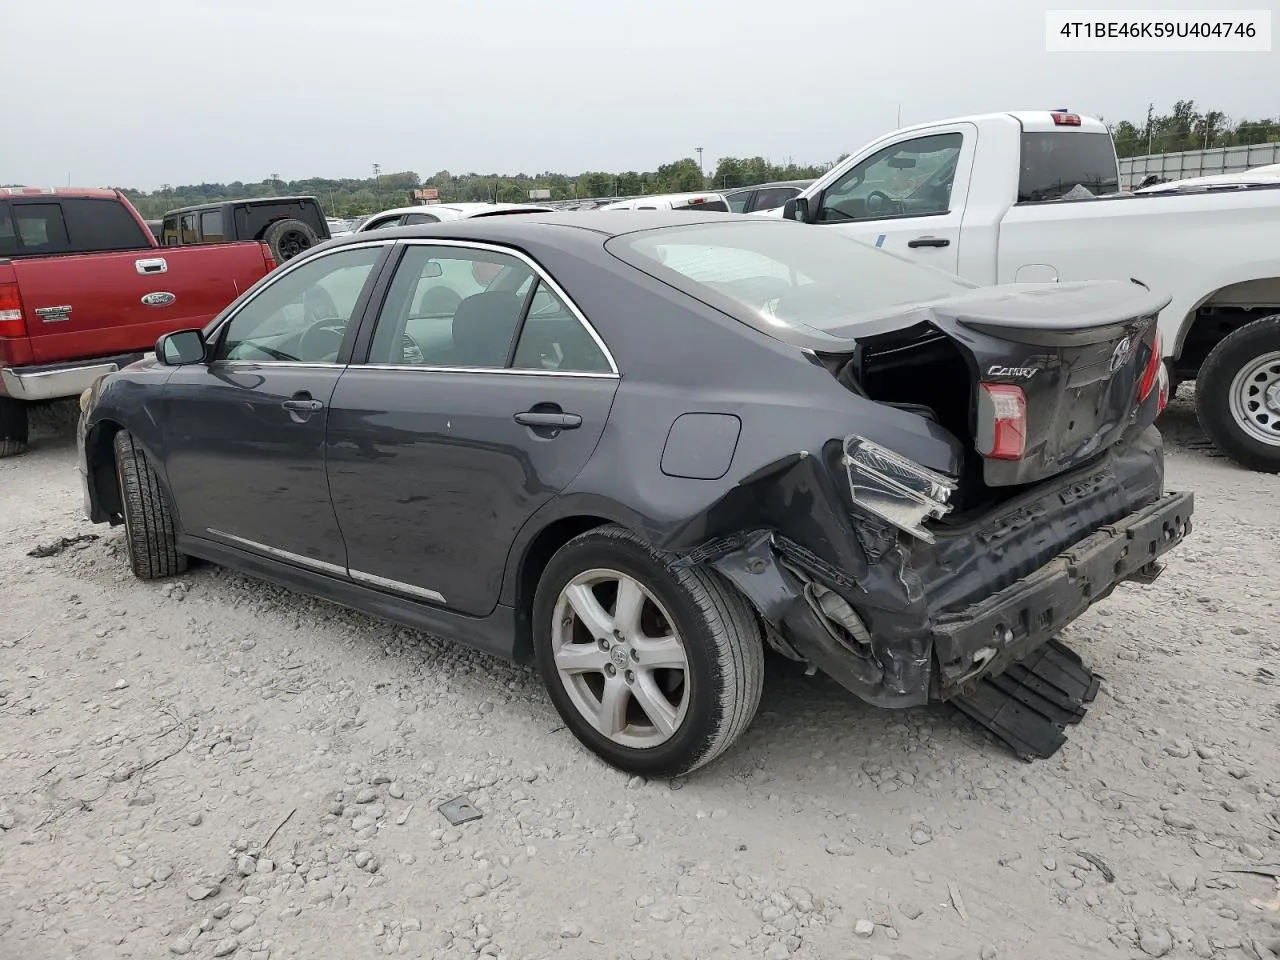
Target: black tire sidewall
[
  {"x": 272, "y": 235},
  {"x": 13, "y": 421},
  {"x": 126, "y": 476},
  {"x": 705, "y": 677},
  {"x": 1213, "y": 393}
]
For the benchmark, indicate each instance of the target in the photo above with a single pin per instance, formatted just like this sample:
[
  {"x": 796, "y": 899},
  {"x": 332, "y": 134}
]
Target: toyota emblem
[{"x": 1120, "y": 355}]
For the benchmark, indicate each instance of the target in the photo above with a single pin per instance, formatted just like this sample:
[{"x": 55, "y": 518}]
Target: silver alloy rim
[
  {"x": 620, "y": 659},
  {"x": 1255, "y": 398}
]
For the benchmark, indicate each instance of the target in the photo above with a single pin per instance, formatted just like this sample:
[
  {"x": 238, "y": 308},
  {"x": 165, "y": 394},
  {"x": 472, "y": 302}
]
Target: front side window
[
  {"x": 738, "y": 201},
  {"x": 302, "y": 317},
  {"x": 169, "y": 232},
  {"x": 420, "y": 218},
  {"x": 776, "y": 275},
  {"x": 395, "y": 221},
  {"x": 908, "y": 179},
  {"x": 773, "y": 197}
]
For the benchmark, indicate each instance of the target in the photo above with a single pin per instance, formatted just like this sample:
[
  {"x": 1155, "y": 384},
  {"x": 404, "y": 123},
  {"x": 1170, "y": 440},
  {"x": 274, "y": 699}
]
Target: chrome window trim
[
  {"x": 506, "y": 371},
  {"x": 297, "y": 558},
  {"x": 235, "y": 365},
  {"x": 397, "y": 586},
  {"x": 276, "y": 276},
  {"x": 541, "y": 274}
]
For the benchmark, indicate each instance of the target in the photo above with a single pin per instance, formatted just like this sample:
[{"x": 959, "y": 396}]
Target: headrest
[{"x": 483, "y": 326}]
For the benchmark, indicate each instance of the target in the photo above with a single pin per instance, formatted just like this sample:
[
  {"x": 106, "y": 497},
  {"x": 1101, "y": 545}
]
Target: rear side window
[
  {"x": 711, "y": 206},
  {"x": 211, "y": 226},
  {"x": 100, "y": 224},
  {"x": 1055, "y": 163},
  {"x": 169, "y": 232},
  {"x": 187, "y": 228}
]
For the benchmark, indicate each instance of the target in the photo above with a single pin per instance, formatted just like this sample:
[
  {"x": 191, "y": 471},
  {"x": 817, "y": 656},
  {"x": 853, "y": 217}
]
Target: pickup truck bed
[{"x": 69, "y": 314}]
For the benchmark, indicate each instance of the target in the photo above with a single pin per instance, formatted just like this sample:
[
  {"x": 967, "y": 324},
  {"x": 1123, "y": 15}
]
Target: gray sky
[{"x": 143, "y": 92}]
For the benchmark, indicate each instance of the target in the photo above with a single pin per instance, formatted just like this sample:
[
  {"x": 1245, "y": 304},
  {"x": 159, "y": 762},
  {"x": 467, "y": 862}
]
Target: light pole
[
  {"x": 377, "y": 183},
  {"x": 700, "y": 173}
]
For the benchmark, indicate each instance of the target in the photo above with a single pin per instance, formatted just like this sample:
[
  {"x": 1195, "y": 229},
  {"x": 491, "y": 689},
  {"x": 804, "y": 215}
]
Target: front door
[
  {"x": 483, "y": 395},
  {"x": 907, "y": 197},
  {"x": 244, "y": 432}
]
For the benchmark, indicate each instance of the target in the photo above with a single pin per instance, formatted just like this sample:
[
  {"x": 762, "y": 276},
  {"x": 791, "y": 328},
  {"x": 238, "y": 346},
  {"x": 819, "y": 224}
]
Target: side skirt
[{"x": 494, "y": 634}]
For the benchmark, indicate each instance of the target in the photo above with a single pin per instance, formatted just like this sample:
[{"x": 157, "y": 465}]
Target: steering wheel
[
  {"x": 879, "y": 196},
  {"x": 323, "y": 338}
]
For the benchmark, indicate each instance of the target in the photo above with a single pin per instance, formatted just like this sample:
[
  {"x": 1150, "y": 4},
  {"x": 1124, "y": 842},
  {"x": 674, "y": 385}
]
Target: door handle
[
  {"x": 929, "y": 242},
  {"x": 556, "y": 421},
  {"x": 151, "y": 265},
  {"x": 308, "y": 406}
]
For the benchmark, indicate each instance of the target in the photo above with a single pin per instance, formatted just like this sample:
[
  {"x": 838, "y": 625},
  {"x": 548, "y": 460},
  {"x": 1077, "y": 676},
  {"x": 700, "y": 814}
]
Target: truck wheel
[
  {"x": 148, "y": 519},
  {"x": 656, "y": 669},
  {"x": 1238, "y": 395},
  {"x": 288, "y": 238},
  {"x": 13, "y": 427}
]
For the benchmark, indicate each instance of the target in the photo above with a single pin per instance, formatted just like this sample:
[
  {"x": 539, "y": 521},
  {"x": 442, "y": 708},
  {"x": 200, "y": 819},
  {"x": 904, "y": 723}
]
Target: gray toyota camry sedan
[{"x": 640, "y": 449}]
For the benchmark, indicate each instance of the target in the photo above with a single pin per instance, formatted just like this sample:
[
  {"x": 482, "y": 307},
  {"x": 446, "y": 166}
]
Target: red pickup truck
[{"x": 85, "y": 289}]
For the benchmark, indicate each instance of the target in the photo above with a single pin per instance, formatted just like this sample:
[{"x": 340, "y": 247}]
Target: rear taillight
[
  {"x": 1002, "y": 421},
  {"x": 269, "y": 257},
  {"x": 12, "y": 322},
  {"x": 1063, "y": 119},
  {"x": 1163, "y": 400},
  {"x": 1151, "y": 372}
]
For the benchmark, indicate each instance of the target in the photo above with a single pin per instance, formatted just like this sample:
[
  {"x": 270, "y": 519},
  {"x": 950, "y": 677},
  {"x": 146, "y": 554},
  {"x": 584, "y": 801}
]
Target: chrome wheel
[
  {"x": 620, "y": 659},
  {"x": 1254, "y": 397}
]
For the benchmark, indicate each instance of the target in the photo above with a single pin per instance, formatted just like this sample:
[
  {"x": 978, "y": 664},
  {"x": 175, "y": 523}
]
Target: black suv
[{"x": 288, "y": 225}]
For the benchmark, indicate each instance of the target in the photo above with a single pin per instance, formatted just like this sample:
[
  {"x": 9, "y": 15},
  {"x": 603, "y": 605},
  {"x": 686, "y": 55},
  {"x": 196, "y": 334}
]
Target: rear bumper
[
  {"x": 987, "y": 637},
  {"x": 56, "y": 380}
]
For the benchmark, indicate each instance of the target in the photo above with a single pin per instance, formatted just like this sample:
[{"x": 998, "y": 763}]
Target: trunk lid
[{"x": 1077, "y": 352}]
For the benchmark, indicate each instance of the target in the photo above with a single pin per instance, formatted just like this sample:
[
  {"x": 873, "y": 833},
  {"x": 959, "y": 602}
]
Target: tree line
[{"x": 1183, "y": 128}]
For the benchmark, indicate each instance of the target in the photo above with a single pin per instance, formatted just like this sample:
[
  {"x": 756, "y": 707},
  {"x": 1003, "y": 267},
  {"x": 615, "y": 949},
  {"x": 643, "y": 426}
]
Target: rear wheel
[
  {"x": 288, "y": 238},
  {"x": 148, "y": 518},
  {"x": 1238, "y": 395},
  {"x": 656, "y": 669},
  {"x": 13, "y": 427}
]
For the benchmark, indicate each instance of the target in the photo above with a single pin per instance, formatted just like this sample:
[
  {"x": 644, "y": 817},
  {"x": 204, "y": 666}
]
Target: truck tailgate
[{"x": 98, "y": 304}]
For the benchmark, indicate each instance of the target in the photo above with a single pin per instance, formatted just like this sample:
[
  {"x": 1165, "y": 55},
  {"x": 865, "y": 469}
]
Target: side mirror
[
  {"x": 797, "y": 208},
  {"x": 180, "y": 348}
]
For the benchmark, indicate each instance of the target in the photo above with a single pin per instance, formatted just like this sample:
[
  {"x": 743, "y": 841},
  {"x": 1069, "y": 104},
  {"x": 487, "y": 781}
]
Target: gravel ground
[{"x": 216, "y": 767}]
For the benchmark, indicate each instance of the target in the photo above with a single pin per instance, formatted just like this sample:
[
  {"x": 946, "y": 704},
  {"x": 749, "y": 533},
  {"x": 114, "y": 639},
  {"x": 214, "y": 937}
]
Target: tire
[
  {"x": 13, "y": 427},
  {"x": 714, "y": 630},
  {"x": 288, "y": 238},
  {"x": 148, "y": 519},
  {"x": 1238, "y": 395}
]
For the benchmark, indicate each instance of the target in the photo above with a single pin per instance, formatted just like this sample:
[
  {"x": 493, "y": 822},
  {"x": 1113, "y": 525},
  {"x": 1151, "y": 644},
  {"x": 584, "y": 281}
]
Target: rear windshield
[
  {"x": 1053, "y": 164},
  {"x": 68, "y": 225},
  {"x": 779, "y": 274}
]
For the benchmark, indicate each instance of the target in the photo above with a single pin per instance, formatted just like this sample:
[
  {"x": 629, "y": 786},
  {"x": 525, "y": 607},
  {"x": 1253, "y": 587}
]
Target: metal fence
[{"x": 1196, "y": 163}]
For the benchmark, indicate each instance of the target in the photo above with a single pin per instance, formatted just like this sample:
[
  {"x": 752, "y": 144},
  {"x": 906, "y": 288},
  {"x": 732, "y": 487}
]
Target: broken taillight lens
[
  {"x": 12, "y": 321},
  {"x": 1002, "y": 421},
  {"x": 894, "y": 488},
  {"x": 1151, "y": 372}
]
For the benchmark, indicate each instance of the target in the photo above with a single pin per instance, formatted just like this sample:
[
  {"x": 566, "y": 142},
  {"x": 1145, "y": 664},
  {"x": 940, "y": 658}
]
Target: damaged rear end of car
[{"x": 911, "y": 577}]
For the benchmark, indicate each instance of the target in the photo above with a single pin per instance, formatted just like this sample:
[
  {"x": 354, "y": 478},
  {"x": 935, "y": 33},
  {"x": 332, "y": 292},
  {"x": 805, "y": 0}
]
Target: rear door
[
  {"x": 468, "y": 416},
  {"x": 244, "y": 433},
  {"x": 908, "y": 196},
  {"x": 92, "y": 284}
]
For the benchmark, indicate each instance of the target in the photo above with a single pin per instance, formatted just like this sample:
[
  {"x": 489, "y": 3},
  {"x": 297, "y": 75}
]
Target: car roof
[
  {"x": 95, "y": 193},
  {"x": 462, "y": 209},
  {"x": 569, "y": 225},
  {"x": 242, "y": 200}
]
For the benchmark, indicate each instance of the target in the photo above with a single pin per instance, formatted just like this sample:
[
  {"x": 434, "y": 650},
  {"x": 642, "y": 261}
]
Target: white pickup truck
[{"x": 1034, "y": 197}]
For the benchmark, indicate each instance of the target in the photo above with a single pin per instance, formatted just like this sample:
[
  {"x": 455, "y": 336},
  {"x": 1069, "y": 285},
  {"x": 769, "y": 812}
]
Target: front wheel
[
  {"x": 656, "y": 669},
  {"x": 1238, "y": 395},
  {"x": 149, "y": 530}
]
